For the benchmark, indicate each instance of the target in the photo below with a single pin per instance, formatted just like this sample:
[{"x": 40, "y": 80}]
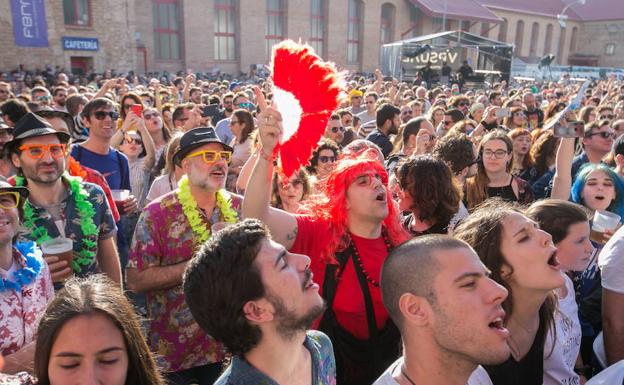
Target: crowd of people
[{"x": 437, "y": 234}]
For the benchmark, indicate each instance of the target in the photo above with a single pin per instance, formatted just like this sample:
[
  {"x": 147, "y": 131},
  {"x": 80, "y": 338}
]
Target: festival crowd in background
[{"x": 439, "y": 234}]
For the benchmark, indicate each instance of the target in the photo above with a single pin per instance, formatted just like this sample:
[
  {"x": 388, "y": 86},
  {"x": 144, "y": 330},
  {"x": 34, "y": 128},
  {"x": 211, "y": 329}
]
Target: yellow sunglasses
[
  {"x": 211, "y": 156},
  {"x": 9, "y": 199}
]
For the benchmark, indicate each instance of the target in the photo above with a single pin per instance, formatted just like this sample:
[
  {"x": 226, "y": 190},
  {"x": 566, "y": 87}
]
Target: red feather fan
[{"x": 306, "y": 92}]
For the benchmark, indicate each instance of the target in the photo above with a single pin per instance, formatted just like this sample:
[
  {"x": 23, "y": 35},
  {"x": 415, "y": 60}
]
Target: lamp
[{"x": 562, "y": 17}]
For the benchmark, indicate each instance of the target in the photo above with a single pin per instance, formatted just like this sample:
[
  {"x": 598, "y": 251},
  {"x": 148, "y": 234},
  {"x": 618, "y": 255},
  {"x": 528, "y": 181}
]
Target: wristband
[{"x": 263, "y": 155}]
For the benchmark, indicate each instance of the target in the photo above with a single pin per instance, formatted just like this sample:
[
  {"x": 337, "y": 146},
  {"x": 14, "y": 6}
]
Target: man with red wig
[{"x": 348, "y": 231}]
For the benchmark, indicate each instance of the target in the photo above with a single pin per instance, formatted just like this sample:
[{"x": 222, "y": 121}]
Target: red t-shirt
[{"x": 349, "y": 304}]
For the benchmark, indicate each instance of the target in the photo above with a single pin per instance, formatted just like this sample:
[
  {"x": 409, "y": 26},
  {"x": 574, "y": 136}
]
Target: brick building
[{"x": 233, "y": 35}]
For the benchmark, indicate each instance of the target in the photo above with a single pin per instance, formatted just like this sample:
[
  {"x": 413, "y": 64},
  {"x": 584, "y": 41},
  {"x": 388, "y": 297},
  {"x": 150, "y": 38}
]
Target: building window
[
  {"x": 166, "y": 29},
  {"x": 548, "y": 40},
  {"x": 77, "y": 12},
  {"x": 225, "y": 29},
  {"x": 534, "y": 37},
  {"x": 464, "y": 25},
  {"x": 415, "y": 18},
  {"x": 573, "y": 38},
  {"x": 354, "y": 31},
  {"x": 275, "y": 24},
  {"x": 317, "y": 26},
  {"x": 519, "y": 37},
  {"x": 610, "y": 49},
  {"x": 560, "y": 48},
  {"x": 485, "y": 30},
  {"x": 387, "y": 23},
  {"x": 502, "y": 31}
]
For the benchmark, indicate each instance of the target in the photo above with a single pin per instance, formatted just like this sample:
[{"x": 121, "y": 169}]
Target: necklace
[
  {"x": 29, "y": 271},
  {"x": 358, "y": 259},
  {"x": 85, "y": 212},
  {"x": 405, "y": 375},
  {"x": 193, "y": 215}
]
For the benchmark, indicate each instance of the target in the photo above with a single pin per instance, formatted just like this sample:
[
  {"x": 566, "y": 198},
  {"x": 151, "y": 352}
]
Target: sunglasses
[
  {"x": 101, "y": 115},
  {"x": 294, "y": 183},
  {"x": 150, "y": 116},
  {"x": 464, "y": 104},
  {"x": 327, "y": 159},
  {"x": 365, "y": 180},
  {"x": 37, "y": 151},
  {"x": 609, "y": 117},
  {"x": 604, "y": 135},
  {"x": 131, "y": 140},
  {"x": 211, "y": 156},
  {"x": 336, "y": 129},
  {"x": 9, "y": 199}
]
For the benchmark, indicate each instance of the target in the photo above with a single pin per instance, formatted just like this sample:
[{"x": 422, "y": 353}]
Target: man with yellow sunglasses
[
  {"x": 61, "y": 206},
  {"x": 169, "y": 232}
]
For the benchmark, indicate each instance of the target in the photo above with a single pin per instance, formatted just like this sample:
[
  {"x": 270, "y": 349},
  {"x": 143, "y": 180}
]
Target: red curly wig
[{"x": 331, "y": 204}]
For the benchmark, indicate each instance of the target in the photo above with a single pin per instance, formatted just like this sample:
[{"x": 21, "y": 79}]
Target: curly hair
[
  {"x": 300, "y": 176},
  {"x": 324, "y": 144},
  {"x": 435, "y": 193},
  {"x": 543, "y": 152},
  {"x": 220, "y": 279}
]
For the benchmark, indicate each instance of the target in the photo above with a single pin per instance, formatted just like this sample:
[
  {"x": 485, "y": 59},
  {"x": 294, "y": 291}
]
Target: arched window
[
  {"x": 275, "y": 24},
  {"x": 388, "y": 12},
  {"x": 502, "y": 31},
  {"x": 317, "y": 25},
  {"x": 573, "y": 38},
  {"x": 548, "y": 39},
  {"x": 519, "y": 37},
  {"x": 534, "y": 37},
  {"x": 225, "y": 29},
  {"x": 562, "y": 38},
  {"x": 354, "y": 40}
]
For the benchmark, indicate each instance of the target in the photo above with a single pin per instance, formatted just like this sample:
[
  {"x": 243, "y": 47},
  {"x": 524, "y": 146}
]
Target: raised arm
[
  {"x": 148, "y": 143},
  {"x": 256, "y": 203},
  {"x": 562, "y": 181}
]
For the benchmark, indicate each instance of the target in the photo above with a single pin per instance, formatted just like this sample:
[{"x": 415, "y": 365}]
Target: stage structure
[{"x": 489, "y": 59}]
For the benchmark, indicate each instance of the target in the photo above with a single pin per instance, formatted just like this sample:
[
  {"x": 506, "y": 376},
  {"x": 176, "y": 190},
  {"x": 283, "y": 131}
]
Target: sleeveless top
[
  {"x": 504, "y": 192},
  {"x": 528, "y": 371}
]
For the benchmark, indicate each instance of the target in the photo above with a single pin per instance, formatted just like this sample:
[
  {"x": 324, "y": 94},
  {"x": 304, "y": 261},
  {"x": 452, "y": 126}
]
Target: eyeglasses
[
  {"x": 101, "y": 115},
  {"x": 211, "y": 156},
  {"x": 327, "y": 159},
  {"x": 149, "y": 116},
  {"x": 498, "y": 154},
  {"x": 126, "y": 106},
  {"x": 131, "y": 140},
  {"x": 463, "y": 104},
  {"x": 406, "y": 112},
  {"x": 365, "y": 180},
  {"x": 293, "y": 183},
  {"x": 9, "y": 199},
  {"x": 604, "y": 135},
  {"x": 608, "y": 117},
  {"x": 336, "y": 129},
  {"x": 37, "y": 151},
  {"x": 43, "y": 98}
]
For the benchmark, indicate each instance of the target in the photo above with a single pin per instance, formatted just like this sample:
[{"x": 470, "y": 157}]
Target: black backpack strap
[{"x": 368, "y": 301}]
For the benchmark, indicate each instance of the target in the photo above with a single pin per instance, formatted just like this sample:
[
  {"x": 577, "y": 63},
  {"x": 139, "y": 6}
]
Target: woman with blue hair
[{"x": 596, "y": 187}]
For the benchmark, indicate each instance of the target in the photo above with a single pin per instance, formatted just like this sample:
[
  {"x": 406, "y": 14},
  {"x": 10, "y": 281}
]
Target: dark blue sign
[
  {"x": 29, "y": 23},
  {"x": 80, "y": 44}
]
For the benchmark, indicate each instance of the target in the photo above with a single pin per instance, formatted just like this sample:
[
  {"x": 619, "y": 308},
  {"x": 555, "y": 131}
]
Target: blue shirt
[
  {"x": 381, "y": 139},
  {"x": 223, "y": 131},
  {"x": 114, "y": 166},
  {"x": 240, "y": 372}
]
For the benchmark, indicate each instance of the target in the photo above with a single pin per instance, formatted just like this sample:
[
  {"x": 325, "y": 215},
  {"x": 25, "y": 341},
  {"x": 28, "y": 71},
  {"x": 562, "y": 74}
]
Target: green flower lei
[
  {"x": 86, "y": 212},
  {"x": 189, "y": 207}
]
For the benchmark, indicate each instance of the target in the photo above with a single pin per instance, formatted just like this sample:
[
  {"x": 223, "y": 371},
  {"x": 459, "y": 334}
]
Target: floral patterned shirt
[
  {"x": 240, "y": 372},
  {"x": 21, "y": 311},
  {"x": 103, "y": 219},
  {"x": 164, "y": 237}
]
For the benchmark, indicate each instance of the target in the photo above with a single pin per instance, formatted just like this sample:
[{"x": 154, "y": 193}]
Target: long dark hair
[
  {"x": 246, "y": 119},
  {"x": 96, "y": 295},
  {"x": 555, "y": 216},
  {"x": 483, "y": 230}
]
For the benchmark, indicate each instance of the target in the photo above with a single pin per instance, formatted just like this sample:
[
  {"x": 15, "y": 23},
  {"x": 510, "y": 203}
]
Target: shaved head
[{"x": 412, "y": 268}]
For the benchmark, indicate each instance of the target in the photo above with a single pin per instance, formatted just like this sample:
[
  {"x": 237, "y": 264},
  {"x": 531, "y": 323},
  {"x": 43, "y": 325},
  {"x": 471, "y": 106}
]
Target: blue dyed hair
[{"x": 617, "y": 205}]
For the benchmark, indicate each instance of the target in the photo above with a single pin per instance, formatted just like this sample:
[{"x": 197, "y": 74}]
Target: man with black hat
[
  {"x": 60, "y": 205},
  {"x": 169, "y": 232}
]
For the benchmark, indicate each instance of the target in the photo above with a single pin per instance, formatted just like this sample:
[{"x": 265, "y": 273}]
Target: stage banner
[{"x": 29, "y": 23}]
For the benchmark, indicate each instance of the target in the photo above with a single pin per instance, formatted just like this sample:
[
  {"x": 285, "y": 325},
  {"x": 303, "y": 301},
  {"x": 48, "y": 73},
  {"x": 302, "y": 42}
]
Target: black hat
[
  {"x": 31, "y": 125},
  {"x": 6, "y": 186},
  {"x": 58, "y": 114},
  {"x": 194, "y": 138}
]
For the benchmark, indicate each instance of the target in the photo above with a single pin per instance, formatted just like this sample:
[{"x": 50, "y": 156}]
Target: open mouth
[
  {"x": 309, "y": 283},
  {"x": 599, "y": 198},
  {"x": 218, "y": 173},
  {"x": 381, "y": 197},
  {"x": 497, "y": 324},
  {"x": 553, "y": 261},
  {"x": 4, "y": 224}
]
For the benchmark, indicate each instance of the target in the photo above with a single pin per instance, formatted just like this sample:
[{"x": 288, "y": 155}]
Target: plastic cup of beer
[
  {"x": 120, "y": 196},
  {"x": 603, "y": 221},
  {"x": 62, "y": 248}
]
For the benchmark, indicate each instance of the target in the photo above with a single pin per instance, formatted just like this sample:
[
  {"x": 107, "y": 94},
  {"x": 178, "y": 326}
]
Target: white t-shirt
[
  {"x": 611, "y": 263},
  {"x": 161, "y": 186},
  {"x": 478, "y": 377},
  {"x": 559, "y": 365}
]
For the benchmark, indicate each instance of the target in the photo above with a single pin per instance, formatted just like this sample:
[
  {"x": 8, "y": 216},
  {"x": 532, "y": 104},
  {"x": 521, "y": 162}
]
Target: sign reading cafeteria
[{"x": 80, "y": 44}]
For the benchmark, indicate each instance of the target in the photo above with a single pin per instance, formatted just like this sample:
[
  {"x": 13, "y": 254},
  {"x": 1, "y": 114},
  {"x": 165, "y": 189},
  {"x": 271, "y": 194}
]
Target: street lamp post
[{"x": 562, "y": 17}]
